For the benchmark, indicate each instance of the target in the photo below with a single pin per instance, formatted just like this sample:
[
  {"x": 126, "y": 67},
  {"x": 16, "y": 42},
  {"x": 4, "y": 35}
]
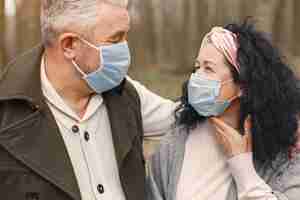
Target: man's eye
[
  {"x": 209, "y": 69},
  {"x": 115, "y": 40},
  {"x": 118, "y": 37}
]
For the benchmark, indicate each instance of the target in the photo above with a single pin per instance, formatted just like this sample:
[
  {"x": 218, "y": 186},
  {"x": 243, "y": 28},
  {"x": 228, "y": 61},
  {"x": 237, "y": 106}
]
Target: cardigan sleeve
[
  {"x": 250, "y": 186},
  {"x": 288, "y": 182},
  {"x": 154, "y": 189},
  {"x": 158, "y": 172}
]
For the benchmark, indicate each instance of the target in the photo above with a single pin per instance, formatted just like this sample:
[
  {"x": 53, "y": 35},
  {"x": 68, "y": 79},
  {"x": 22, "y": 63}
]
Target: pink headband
[{"x": 226, "y": 42}]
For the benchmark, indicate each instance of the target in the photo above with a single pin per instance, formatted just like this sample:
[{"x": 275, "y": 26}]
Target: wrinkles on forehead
[
  {"x": 121, "y": 3},
  {"x": 113, "y": 22}
]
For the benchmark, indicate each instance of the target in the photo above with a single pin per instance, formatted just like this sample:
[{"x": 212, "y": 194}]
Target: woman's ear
[{"x": 240, "y": 93}]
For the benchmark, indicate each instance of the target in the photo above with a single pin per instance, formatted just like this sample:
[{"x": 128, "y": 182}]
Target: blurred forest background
[{"x": 165, "y": 35}]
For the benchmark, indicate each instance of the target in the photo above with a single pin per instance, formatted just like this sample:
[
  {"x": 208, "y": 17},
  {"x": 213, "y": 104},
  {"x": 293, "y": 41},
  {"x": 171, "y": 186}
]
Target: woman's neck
[{"x": 231, "y": 116}]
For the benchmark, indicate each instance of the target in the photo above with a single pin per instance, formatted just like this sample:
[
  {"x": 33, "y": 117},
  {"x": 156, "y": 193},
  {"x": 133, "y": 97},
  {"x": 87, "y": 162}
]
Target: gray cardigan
[{"x": 164, "y": 169}]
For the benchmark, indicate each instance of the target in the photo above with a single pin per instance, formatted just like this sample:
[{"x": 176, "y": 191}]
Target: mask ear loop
[
  {"x": 101, "y": 58},
  {"x": 227, "y": 81},
  {"x": 233, "y": 97},
  {"x": 98, "y": 49},
  {"x": 89, "y": 44},
  {"x": 94, "y": 47},
  {"x": 78, "y": 68}
]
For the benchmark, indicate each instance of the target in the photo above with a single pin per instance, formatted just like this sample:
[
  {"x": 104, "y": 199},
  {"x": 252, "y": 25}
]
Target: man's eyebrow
[
  {"x": 118, "y": 34},
  {"x": 197, "y": 62}
]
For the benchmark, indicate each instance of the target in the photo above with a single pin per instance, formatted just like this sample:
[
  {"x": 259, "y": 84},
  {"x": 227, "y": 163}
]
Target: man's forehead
[
  {"x": 114, "y": 21},
  {"x": 111, "y": 20},
  {"x": 111, "y": 12},
  {"x": 122, "y": 3}
]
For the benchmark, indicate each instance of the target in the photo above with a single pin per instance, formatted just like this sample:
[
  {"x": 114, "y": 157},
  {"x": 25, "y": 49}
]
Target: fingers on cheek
[
  {"x": 221, "y": 124},
  {"x": 220, "y": 136},
  {"x": 220, "y": 131}
]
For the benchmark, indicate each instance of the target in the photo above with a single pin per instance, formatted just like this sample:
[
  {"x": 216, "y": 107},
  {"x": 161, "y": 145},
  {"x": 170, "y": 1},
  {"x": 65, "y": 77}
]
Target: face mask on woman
[{"x": 203, "y": 94}]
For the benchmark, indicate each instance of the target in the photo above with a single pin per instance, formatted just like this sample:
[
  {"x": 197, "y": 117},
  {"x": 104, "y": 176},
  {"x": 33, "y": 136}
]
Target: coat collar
[{"x": 21, "y": 78}]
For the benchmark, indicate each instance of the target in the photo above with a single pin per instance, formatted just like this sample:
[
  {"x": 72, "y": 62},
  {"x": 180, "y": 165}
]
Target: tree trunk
[
  {"x": 1, "y": 34},
  {"x": 266, "y": 14},
  {"x": 285, "y": 27},
  {"x": 30, "y": 25},
  {"x": 297, "y": 29},
  {"x": 231, "y": 11},
  {"x": 211, "y": 12},
  {"x": 158, "y": 11},
  {"x": 10, "y": 31},
  {"x": 1, "y": 8}
]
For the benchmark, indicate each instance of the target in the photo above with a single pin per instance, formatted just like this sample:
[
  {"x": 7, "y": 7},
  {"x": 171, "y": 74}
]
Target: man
[{"x": 71, "y": 122}]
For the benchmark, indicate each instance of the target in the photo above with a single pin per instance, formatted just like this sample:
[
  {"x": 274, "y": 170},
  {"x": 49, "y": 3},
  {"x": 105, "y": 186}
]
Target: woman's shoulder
[
  {"x": 175, "y": 137},
  {"x": 292, "y": 171},
  {"x": 174, "y": 141},
  {"x": 170, "y": 146},
  {"x": 285, "y": 174}
]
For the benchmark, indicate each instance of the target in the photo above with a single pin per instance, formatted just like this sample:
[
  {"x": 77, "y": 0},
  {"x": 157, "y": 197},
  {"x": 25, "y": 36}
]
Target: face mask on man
[
  {"x": 115, "y": 62},
  {"x": 203, "y": 94}
]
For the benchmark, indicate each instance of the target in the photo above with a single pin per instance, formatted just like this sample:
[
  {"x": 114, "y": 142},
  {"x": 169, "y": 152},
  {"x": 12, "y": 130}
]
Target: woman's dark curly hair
[{"x": 269, "y": 95}]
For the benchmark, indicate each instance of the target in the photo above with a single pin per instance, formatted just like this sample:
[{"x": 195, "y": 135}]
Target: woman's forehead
[{"x": 208, "y": 53}]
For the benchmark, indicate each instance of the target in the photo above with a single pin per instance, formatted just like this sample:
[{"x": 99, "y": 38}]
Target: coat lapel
[
  {"x": 123, "y": 125},
  {"x": 37, "y": 143}
]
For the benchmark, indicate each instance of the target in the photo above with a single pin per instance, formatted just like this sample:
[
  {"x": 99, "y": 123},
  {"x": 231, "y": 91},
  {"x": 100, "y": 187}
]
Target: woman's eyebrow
[{"x": 209, "y": 62}]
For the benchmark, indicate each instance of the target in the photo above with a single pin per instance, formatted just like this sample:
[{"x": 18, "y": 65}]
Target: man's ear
[{"x": 69, "y": 43}]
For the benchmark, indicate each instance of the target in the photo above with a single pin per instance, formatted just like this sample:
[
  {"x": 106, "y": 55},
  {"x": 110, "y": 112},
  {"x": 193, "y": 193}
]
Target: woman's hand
[{"x": 233, "y": 142}]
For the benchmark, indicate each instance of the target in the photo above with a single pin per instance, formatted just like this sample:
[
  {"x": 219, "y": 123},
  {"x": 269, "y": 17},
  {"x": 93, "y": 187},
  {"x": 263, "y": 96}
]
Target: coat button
[
  {"x": 36, "y": 107},
  {"x": 100, "y": 189},
  {"x": 86, "y": 136},
  {"x": 75, "y": 129},
  {"x": 32, "y": 196}
]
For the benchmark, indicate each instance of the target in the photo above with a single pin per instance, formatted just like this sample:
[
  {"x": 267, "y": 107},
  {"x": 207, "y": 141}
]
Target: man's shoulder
[
  {"x": 20, "y": 83},
  {"x": 135, "y": 85},
  {"x": 27, "y": 57},
  {"x": 131, "y": 92}
]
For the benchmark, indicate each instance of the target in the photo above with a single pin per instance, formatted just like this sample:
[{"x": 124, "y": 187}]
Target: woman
[{"x": 237, "y": 122}]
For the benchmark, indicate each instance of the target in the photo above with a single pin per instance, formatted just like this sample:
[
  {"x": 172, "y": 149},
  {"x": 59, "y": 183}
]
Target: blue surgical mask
[
  {"x": 203, "y": 94},
  {"x": 115, "y": 62}
]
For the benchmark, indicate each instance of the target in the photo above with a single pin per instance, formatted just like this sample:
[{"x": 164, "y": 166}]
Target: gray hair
[{"x": 79, "y": 16}]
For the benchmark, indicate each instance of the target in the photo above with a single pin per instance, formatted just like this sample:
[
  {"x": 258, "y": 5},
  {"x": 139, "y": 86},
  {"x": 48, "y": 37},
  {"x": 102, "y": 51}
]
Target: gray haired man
[{"x": 72, "y": 122}]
